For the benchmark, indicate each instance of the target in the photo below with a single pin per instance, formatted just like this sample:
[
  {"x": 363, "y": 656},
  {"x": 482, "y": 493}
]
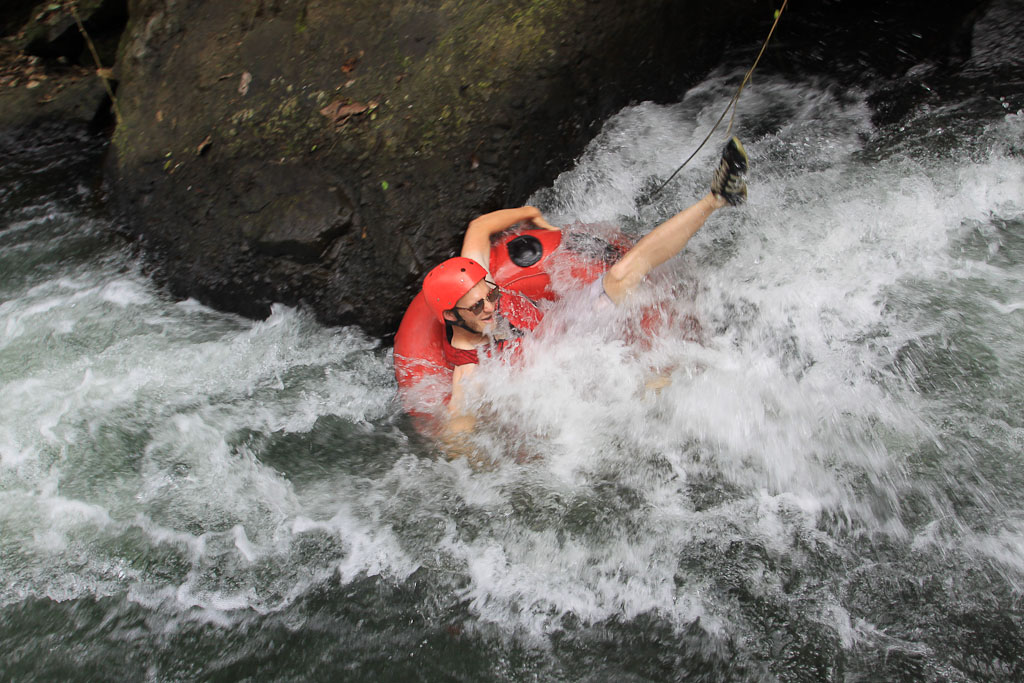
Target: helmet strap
[{"x": 460, "y": 322}]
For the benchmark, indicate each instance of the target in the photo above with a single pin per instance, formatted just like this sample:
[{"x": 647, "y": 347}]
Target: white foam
[
  {"x": 125, "y": 293},
  {"x": 1006, "y": 309},
  {"x": 783, "y": 399},
  {"x": 137, "y": 428},
  {"x": 182, "y": 381}
]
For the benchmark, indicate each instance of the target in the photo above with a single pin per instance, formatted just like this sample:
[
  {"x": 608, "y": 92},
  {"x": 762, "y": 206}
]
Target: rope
[
  {"x": 100, "y": 71},
  {"x": 732, "y": 103}
]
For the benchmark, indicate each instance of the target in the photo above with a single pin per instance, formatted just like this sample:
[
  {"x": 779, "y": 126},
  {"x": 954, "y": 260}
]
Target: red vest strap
[{"x": 456, "y": 357}]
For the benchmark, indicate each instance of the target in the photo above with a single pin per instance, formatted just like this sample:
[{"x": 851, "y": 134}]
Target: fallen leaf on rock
[
  {"x": 351, "y": 109},
  {"x": 204, "y": 146},
  {"x": 243, "y": 86},
  {"x": 339, "y": 113},
  {"x": 349, "y": 65}
]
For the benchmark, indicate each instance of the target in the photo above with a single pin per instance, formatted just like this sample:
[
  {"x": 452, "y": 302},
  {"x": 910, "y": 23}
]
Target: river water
[{"x": 830, "y": 487}]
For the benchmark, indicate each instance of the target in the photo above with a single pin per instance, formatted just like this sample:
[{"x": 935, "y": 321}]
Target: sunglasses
[{"x": 493, "y": 296}]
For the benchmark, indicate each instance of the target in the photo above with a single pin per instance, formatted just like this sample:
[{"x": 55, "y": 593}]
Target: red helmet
[{"x": 447, "y": 283}]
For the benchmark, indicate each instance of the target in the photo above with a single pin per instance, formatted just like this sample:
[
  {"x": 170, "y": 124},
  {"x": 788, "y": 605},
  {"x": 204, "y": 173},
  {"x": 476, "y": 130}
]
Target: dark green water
[{"x": 832, "y": 487}]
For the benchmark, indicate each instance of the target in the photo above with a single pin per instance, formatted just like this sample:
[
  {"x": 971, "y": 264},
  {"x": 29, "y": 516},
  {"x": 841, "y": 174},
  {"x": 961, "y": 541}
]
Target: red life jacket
[{"x": 521, "y": 314}]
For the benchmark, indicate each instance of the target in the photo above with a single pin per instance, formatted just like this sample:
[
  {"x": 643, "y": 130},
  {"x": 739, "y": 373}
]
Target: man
[{"x": 479, "y": 316}]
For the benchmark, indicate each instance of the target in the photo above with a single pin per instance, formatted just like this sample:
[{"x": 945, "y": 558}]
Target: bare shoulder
[{"x": 462, "y": 371}]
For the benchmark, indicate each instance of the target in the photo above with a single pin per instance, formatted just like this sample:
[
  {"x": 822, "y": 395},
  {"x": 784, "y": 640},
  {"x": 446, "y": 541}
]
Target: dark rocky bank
[{"x": 327, "y": 154}]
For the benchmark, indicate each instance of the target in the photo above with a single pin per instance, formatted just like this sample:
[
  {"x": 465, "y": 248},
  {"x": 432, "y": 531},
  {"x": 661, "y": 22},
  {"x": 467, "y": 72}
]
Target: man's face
[{"x": 480, "y": 322}]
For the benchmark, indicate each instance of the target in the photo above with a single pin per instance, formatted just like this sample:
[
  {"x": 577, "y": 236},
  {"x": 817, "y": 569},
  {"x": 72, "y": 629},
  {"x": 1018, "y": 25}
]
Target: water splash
[{"x": 831, "y": 472}]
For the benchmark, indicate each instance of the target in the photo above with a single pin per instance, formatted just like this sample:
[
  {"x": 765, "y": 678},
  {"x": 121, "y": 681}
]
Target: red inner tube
[{"x": 521, "y": 260}]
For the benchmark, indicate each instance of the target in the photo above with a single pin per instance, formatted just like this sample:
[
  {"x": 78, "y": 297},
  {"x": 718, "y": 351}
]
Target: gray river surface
[{"x": 831, "y": 487}]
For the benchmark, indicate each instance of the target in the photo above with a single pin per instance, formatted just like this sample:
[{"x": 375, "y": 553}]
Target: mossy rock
[{"x": 401, "y": 121}]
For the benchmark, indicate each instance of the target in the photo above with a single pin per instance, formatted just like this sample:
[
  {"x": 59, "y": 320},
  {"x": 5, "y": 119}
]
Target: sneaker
[{"x": 728, "y": 180}]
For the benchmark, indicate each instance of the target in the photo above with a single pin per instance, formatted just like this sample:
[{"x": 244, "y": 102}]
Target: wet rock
[
  {"x": 37, "y": 101},
  {"x": 300, "y": 220},
  {"x": 14, "y": 14},
  {"x": 53, "y": 33},
  {"x": 422, "y": 119},
  {"x": 326, "y": 154},
  {"x": 48, "y": 79}
]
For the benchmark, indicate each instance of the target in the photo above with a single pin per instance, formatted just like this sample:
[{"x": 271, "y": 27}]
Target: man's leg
[{"x": 669, "y": 238}]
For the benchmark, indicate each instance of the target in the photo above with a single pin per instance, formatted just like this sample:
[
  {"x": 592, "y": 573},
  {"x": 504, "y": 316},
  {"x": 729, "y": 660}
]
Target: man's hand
[{"x": 541, "y": 223}]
